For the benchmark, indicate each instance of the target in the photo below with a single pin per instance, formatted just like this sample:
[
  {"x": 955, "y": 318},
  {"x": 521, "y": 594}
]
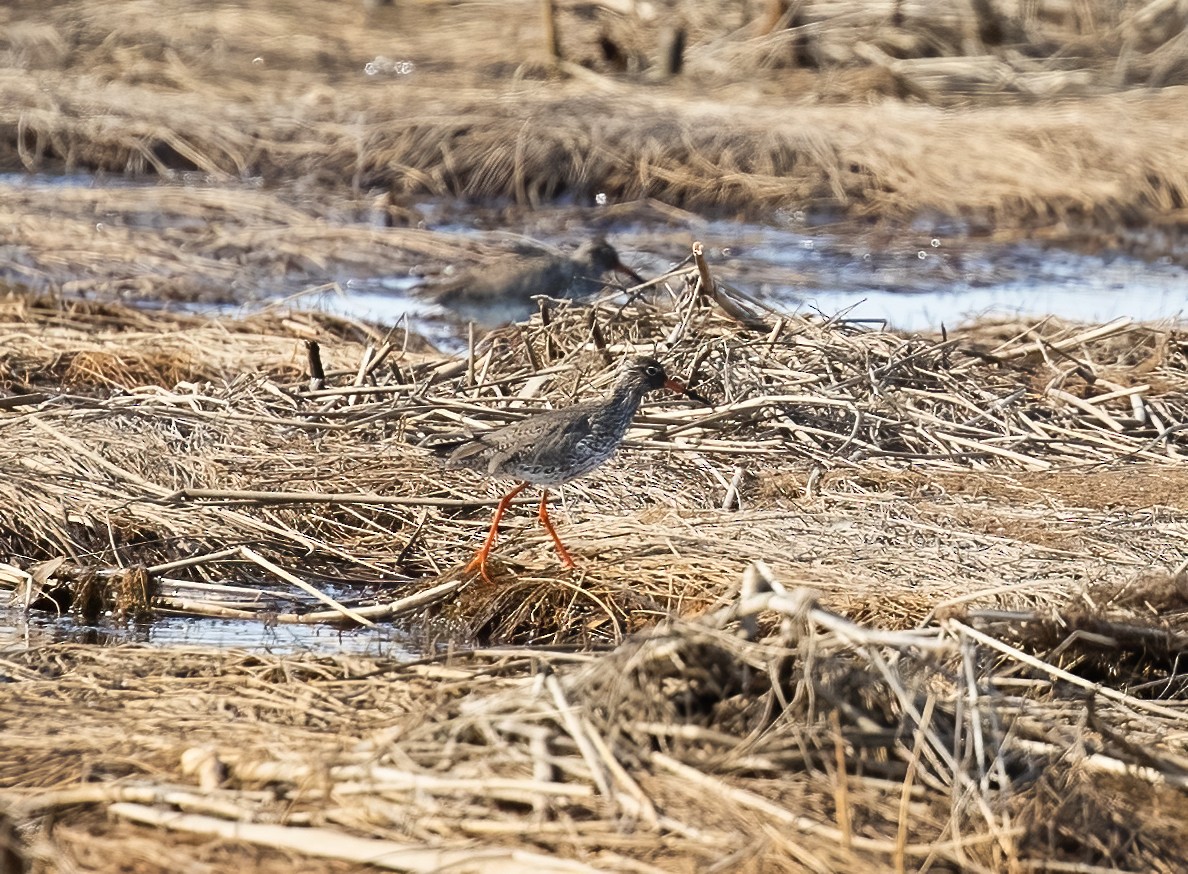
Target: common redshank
[
  {"x": 510, "y": 283},
  {"x": 556, "y": 446}
]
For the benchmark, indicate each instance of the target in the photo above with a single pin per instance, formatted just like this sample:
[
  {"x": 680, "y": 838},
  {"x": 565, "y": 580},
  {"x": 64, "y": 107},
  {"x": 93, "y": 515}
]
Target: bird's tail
[{"x": 443, "y": 445}]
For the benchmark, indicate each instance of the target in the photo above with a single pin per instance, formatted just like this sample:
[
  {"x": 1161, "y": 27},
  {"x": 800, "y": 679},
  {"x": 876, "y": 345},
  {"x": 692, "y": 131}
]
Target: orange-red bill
[{"x": 682, "y": 389}]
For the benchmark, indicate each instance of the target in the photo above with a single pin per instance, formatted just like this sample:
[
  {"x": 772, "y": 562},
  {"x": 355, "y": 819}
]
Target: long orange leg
[
  {"x": 480, "y": 559},
  {"x": 544, "y": 519}
]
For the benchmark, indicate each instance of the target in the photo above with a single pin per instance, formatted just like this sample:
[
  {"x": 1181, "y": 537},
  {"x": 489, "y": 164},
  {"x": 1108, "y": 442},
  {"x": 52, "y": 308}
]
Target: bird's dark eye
[{"x": 653, "y": 370}]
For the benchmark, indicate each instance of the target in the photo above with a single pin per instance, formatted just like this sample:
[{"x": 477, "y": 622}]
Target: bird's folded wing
[{"x": 541, "y": 442}]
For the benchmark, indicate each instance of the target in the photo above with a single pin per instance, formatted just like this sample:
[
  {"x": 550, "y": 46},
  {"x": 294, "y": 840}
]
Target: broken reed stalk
[
  {"x": 317, "y": 375},
  {"x": 254, "y": 557},
  {"x": 280, "y": 498},
  {"x": 552, "y": 34},
  {"x": 709, "y": 291},
  {"x": 706, "y": 290}
]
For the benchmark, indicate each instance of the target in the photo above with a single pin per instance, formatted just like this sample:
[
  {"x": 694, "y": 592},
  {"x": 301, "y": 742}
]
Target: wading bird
[{"x": 556, "y": 446}]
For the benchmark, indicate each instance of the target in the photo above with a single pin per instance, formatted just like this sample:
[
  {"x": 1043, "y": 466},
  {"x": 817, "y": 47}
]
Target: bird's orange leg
[
  {"x": 544, "y": 519},
  {"x": 479, "y": 561}
]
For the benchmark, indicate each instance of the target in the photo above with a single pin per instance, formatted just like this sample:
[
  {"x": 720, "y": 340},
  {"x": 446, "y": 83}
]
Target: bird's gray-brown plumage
[
  {"x": 556, "y": 446},
  {"x": 515, "y": 280}
]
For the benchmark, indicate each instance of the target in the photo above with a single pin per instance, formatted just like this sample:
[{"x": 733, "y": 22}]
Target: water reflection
[
  {"x": 914, "y": 276},
  {"x": 20, "y": 632}
]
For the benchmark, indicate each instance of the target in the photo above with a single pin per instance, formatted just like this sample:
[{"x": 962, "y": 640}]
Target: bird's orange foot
[{"x": 479, "y": 563}]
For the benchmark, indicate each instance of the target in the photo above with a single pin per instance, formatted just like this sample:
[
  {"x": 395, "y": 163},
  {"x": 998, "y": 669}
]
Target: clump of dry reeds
[
  {"x": 821, "y": 745},
  {"x": 833, "y": 451},
  {"x": 476, "y": 117},
  {"x": 982, "y": 675}
]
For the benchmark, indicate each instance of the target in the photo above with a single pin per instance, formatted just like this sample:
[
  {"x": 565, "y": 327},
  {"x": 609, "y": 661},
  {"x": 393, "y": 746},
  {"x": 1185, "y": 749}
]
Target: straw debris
[
  {"x": 893, "y": 603},
  {"x": 843, "y": 107},
  {"x": 824, "y": 745},
  {"x": 955, "y": 641},
  {"x": 241, "y": 491}
]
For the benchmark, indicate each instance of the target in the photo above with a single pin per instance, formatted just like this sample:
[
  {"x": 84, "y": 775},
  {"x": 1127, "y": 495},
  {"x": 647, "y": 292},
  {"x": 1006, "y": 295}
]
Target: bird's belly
[{"x": 548, "y": 474}]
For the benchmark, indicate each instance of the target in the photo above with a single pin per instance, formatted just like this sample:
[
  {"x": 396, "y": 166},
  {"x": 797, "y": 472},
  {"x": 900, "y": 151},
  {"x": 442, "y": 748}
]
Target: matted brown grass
[
  {"x": 987, "y": 678},
  {"x": 925, "y": 115},
  {"x": 196, "y": 449},
  {"x": 823, "y": 747}
]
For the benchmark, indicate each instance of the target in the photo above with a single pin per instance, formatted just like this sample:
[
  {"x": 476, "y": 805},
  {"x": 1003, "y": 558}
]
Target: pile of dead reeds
[
  {"x": 188, "y": 465},
  {"x": 824, "y": 745}
]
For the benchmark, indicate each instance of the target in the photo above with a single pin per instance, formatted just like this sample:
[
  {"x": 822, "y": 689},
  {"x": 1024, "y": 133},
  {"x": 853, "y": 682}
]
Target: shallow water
[
  {"x": 912, "y": 283},
  {"x": 914, "y": 278},
  {"x": 19, "y": 632}
]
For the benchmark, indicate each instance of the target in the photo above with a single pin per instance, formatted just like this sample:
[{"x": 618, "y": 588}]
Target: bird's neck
[{"x": 625, "y": 399}]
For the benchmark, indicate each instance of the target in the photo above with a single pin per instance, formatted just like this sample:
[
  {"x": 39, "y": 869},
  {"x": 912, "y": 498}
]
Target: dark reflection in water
[{"x": 915, "y": 275}]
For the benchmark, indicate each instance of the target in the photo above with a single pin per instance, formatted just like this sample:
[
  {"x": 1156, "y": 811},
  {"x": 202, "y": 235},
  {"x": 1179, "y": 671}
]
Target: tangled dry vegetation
[
  {"x": 824, "y": 746},
  {"x": 199, "y": 451},
  {"x": 892, "y": 603},
  {"x": 904, "y": 602},
  {"x": 839, "y": 106}
]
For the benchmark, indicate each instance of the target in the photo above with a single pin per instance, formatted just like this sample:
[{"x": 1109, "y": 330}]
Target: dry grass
[
  {"x": 986, "y": 681},
  {"x": 824, "y": 746},
  {"x": 277, "y": 91},
  {"x": 987, "y": 677},
  {"x": 202, "y": 243},
  {"x": 197, "y": 450}
]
